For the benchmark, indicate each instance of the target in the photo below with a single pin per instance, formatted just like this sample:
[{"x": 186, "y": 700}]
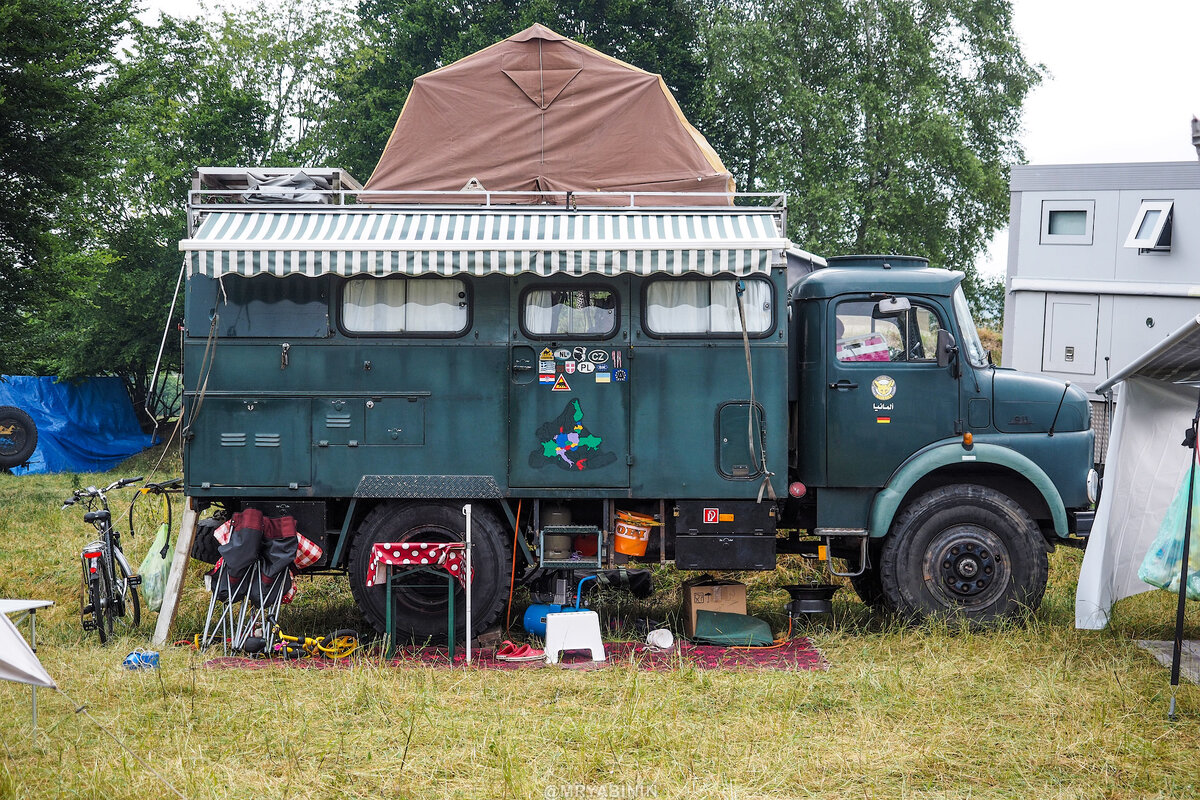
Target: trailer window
[
  {"x": 405, "y": 305},
  {"x": 692, "y": 306},
  {"x": 589, "y": 312},
  {"x": 864, "y": 335}
]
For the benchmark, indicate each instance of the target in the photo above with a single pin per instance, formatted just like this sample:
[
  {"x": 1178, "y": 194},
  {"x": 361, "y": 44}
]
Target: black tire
[
  {"x": 421, "y": 609},
  {"x": 18, "y": 437},
  {"x": 964, "y": 552},
  {"x": 98, "y": 594},
  {"x": 128, "y": 613},
  {"x": 869, "y": 585}
]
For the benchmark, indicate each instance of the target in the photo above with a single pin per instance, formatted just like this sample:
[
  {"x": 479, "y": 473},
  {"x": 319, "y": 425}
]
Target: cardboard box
[{"x": 710, "y": 594}]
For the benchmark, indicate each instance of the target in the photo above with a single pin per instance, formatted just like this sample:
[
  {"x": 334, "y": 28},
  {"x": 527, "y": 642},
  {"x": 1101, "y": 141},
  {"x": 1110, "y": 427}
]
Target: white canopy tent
[
  {"x": 18, "y": 662},
  {"x": 1143, "y": 469}
]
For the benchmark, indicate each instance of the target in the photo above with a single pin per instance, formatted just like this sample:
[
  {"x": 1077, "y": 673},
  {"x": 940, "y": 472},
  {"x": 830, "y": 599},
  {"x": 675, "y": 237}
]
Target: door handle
[
  {"x": 522, "y": 367},
  {"x": 843, "y": 384}
]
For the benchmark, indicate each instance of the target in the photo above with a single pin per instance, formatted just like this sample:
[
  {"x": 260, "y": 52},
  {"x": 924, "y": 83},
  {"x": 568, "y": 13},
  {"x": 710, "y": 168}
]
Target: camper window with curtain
[
  {"x": 698, "y": 306},
  {"x": 419, "y": 306},
  {"x": 565, "y": 312}
]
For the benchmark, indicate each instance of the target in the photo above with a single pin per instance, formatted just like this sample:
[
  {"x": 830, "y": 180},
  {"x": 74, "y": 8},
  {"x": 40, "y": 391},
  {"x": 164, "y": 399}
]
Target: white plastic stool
[{"x": 574, "y": 630}]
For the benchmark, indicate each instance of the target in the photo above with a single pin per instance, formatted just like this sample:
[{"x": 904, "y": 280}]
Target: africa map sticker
[
  {"x": 561, "y": 384},
  {"x": 568, "y": 444}
]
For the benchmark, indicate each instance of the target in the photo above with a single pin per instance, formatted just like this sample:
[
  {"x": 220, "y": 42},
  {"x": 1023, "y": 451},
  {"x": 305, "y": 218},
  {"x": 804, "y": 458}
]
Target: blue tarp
[{"x": 89, "y": 426}]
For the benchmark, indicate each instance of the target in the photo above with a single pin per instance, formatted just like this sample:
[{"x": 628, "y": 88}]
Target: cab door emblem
[{"x": 883, "y": 387}]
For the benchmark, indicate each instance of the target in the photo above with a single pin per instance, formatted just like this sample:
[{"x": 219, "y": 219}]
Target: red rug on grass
[{"x": 797, "y": 654}]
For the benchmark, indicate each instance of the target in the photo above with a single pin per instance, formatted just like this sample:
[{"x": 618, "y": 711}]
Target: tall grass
[{"x": 1033, "y": 710}]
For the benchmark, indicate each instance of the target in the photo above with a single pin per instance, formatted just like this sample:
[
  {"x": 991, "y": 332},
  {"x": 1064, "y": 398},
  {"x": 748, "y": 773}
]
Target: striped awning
[{"x": 349, "y": 242}]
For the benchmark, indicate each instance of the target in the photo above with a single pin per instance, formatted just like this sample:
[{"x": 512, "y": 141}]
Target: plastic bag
[
  {"x": 1161, "y": 565},
  {"x": 155, "y": 568}
]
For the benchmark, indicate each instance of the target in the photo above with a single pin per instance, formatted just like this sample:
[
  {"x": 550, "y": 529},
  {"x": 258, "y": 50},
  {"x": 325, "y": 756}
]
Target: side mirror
[
  {"x": 891, "y": 306},
  {"x": 947, "y": 348}
]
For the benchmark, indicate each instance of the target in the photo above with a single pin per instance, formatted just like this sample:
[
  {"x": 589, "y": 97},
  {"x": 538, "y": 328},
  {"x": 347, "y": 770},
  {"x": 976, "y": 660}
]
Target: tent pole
[
  {"x": 33, "y": 647},
  {"x": 1189, "y": 441}
]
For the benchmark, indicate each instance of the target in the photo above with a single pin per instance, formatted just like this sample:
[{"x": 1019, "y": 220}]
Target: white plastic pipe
[{"x": 466, "y": 510}]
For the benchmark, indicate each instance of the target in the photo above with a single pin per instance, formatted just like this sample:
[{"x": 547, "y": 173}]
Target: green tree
[
  {"x": 889, "y": 123},
  {"x": 116, "y": 257},
  {"x": 404, "y": 39},
  {"x": 57, "y": 98}
]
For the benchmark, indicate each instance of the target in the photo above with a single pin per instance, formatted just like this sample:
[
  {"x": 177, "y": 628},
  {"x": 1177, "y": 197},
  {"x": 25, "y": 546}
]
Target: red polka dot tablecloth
[{"x": 450, "y": 556}]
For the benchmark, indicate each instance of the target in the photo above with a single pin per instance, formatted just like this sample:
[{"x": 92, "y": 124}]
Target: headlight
[{"x": 1093, "y": 486}]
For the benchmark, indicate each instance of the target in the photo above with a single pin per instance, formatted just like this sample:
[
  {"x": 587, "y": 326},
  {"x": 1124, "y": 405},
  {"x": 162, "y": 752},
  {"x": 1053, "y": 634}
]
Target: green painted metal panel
[
  {"x": 569, "y": 395},
  {"x": 880, "y": 412},
  {"x": 252, "y": 441},
  {"x": 951, "y": 453}
]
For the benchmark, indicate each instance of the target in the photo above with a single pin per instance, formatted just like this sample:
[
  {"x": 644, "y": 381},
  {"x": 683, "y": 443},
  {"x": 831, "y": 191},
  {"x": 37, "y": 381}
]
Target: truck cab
[{"x": 903, "y": 422}]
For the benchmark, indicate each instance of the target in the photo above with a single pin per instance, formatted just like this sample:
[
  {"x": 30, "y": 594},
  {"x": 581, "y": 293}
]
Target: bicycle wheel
[
  {"x": 126, "y": 610},
  {"x": 101, "y": 602}
]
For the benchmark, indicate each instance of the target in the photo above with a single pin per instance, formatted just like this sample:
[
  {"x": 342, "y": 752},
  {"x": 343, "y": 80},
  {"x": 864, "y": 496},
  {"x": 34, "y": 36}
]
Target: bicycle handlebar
[{"x": 92, "y": 491}]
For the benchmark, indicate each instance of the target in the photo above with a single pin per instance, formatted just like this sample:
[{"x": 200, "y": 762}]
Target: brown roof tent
[{"x": 539, "y": 112}]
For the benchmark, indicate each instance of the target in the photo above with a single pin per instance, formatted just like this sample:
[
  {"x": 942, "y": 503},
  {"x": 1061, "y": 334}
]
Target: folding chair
[
  {"x": 230, "y": 580},
  {"x": 269, "y": 580}
]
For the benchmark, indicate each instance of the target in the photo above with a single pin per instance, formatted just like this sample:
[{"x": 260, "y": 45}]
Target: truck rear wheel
[
  {"x": 964, "y": 552},
  {"x": 421, "y": 606}
]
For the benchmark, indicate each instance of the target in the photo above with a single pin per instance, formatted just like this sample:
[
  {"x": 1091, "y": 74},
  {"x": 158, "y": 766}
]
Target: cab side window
[{"x": 865, "y": 334}]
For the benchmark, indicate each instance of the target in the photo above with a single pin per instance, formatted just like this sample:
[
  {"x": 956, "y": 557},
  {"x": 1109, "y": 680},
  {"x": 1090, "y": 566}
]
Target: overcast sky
[{"x": 1123, "y": 82}]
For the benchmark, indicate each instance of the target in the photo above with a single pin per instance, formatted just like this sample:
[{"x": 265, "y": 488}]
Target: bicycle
[
  {"x": 108, "y": 591},
  {"x": 336, "y": 646}
]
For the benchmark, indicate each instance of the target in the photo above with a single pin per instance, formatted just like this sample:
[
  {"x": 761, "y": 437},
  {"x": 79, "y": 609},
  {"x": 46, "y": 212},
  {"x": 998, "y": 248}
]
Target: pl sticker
[
  {"x": 883, "y": 387},
  {"x": 585, "y": 367}
]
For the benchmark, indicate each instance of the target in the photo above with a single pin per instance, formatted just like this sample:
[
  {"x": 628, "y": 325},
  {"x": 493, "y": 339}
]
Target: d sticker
[{"x": 883, "y": 387}]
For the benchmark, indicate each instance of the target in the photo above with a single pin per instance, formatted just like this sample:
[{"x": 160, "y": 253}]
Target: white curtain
[
  {"x": 1144, "y": 466},
  {"x": 424, "y": 305},
  {"x": 703, "y": 306}
]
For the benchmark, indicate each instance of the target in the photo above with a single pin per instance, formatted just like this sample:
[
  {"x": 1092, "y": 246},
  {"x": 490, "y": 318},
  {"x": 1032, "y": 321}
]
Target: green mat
[{"x": 720, "y": 627}]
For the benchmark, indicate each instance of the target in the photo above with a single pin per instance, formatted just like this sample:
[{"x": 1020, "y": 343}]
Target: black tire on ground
[
  {"x": 98, "y": 596},
  {"x": 18, "y": 437},
  {"x": 964, "y": 552},
  {"x": 204, "y": 547},
  {"x": 869, "y": 585},
  {"x": 128, "y": 600},
  {"x": 421, "y": 609}
]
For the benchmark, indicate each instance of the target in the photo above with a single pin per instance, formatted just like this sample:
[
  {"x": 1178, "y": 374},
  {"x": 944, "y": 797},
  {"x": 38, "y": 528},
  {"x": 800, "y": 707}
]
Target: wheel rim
[
  {"x": 11, "y": 442},
  {"x": 967, "y": 565}
]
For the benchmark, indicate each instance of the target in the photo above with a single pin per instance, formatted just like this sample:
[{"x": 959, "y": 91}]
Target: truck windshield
[{"x": 970, "y": 346}]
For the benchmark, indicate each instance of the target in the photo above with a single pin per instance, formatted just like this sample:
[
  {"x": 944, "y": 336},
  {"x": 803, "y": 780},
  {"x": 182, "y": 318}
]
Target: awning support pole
[{"x": 1189, "y": 441}]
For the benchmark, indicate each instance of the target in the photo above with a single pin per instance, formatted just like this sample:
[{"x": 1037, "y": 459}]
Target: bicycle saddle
[{"x": 96, "y": 516}]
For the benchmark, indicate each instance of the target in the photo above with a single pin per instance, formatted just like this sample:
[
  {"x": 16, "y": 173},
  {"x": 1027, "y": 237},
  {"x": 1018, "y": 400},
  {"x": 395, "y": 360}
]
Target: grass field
[{"x": 1033, "y": 711}]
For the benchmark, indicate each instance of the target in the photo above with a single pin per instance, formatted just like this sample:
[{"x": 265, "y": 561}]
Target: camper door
[{"x": 569, "y": 383}]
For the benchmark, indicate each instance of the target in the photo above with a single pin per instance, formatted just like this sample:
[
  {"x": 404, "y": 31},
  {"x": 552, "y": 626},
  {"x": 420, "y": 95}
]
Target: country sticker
[
  {"x": 568, "y": 367},
  {"x": 562, "y": 354},
  {"x": 586, "y": 367},
  {"x": 620, "y": 375},
  {"x": 561, "y": 384},
  {"x": 883, "y": 420},
  {"x": 598, "y": 356},
  {"x": 604, "y": 377},
  {"x": 546, "y": 378},
  {"x": 546, "y": 366}
]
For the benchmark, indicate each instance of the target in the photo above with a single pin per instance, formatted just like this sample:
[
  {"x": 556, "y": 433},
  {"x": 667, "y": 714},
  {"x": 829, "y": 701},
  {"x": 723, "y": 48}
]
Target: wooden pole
[{"x": 179, "y": 565}]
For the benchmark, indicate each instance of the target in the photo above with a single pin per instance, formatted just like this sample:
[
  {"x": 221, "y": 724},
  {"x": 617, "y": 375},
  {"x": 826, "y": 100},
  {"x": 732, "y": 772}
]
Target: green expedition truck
[{"x": 371, "y": 368}]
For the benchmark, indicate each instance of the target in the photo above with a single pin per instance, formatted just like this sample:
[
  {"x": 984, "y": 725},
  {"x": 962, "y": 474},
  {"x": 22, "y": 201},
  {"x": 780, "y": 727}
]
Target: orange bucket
[{"x": 633, "y": 533}]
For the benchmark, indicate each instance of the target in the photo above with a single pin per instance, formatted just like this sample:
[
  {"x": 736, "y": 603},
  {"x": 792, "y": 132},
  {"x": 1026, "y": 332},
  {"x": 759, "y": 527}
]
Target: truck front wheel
[
  {"x": 420, "y": 605},
  {"x": 964, "y": 552}
]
